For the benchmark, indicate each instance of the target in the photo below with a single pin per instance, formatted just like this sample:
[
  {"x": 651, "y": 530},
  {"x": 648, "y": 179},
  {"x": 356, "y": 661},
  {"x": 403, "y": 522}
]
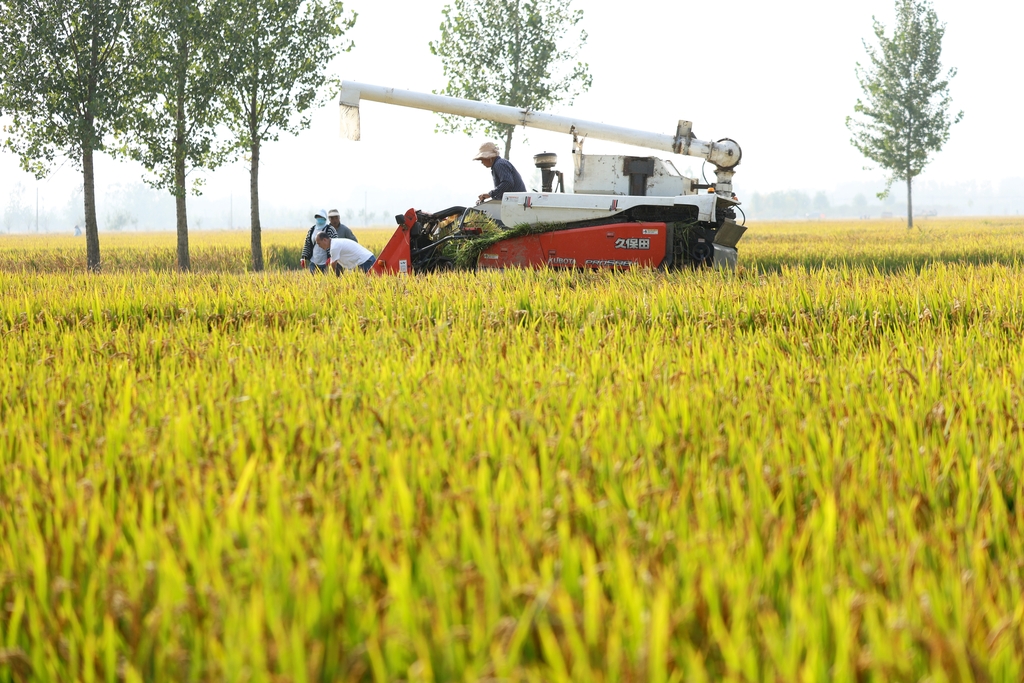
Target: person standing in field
[
  {"x": 340, "y": 229},
  {"x": 311, "y": 253},
  {"x": 505, "y": 176},
  {"x": 343, "y": 253}
]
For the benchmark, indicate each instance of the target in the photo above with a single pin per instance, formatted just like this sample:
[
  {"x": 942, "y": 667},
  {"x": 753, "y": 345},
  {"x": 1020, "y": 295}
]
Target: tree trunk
[
  {"x": 508, "y": 140},
  {"x": 254, "y": 206},
  {"x": 92, "y": 236},
  {"x": 89, "y": 144},
  {"x": 184, "y": 263},
  {"x": 910, "y": 204}
]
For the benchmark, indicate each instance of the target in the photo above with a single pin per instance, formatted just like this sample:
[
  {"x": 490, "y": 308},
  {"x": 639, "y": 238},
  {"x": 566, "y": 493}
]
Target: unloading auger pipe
[{"x": 724, "y": 154}]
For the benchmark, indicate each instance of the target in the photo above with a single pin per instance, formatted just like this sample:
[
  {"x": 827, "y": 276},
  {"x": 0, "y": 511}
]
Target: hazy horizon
[{"x": 782, "y": 85}]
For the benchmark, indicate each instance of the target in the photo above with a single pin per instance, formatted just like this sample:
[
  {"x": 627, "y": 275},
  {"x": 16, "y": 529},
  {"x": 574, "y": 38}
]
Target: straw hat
[{"x": 488, "y": 150}]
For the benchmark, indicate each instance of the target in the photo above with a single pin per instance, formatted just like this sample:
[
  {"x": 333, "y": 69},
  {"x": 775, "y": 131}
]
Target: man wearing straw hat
[
  {"x": 341, "y": 230},
  {"x": 505, "y": 176}
]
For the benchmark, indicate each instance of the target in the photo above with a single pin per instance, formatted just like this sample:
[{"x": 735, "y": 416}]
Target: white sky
[{"x": 778, "y": 77}]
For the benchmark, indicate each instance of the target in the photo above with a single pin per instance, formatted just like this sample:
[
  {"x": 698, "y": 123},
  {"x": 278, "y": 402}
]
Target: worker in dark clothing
[
  {"x": 506, "y": 177},
  {"x": 342, "y": 230},
  {"x": 311, "y": 253}
]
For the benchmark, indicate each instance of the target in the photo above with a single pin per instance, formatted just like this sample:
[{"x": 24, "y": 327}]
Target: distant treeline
[
  {"x": 134, "y": 207},
  {"x": 789, "y": 204}
]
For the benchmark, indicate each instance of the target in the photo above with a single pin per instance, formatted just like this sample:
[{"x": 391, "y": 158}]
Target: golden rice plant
[
  {"x": 210, "y": 252},
  {"x": 806, "y": 470}
]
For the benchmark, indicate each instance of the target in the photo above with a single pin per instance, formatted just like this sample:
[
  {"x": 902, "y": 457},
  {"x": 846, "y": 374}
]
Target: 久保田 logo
[{"x": 632, "y": 243}]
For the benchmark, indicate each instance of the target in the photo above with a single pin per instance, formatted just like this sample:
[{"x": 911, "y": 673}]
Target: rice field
[
  {"x": 806, "y": 470},
  {"x": 210, "y": 251}
]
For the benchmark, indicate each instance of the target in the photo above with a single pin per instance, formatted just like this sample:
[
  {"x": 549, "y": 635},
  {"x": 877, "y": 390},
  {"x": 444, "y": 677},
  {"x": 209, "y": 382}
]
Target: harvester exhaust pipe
[
  {"x": 725, "y": 154},
  {"x": 546, "y": 161}
]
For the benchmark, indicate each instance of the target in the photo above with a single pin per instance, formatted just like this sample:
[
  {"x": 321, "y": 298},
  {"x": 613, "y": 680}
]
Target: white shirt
[
  {"x": 348, "y": 253},
  {"x": 319, "y": 255}
]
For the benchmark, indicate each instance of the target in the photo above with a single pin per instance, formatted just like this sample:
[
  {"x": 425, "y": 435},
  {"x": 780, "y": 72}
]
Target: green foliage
[
  {"x": 280, "y": 50},
  {"x": 509, "y": 52},
  {"x": 466, "y": 252},
  {"x": 906, "y": 95},
  {"x": 66, "y": 76},
  {"x": 182, "y": 54},
  {"x": 67, "y": 84}
]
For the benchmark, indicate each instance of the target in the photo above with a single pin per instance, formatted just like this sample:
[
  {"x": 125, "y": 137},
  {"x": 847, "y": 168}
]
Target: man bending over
[{"x": 345, "y": 253}]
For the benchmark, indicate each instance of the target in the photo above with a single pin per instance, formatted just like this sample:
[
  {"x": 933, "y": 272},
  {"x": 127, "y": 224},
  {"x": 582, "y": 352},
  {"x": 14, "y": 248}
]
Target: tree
[
  {"x": 174, "y": 128},
  {"x": 821, "y": 203},
  {"x": 906, "y": 97},
  {"x": 860, "y": 205},
  {"x": 279, "y": 52},
  {"x": 66, "y": 85},
  {"x": 17, "y": 213},
  {"x": 507, "y": 51}
]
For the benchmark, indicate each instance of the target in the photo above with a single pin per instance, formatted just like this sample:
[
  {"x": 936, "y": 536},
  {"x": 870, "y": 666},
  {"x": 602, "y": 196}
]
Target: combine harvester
[{"x": 624, "y": 211}]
